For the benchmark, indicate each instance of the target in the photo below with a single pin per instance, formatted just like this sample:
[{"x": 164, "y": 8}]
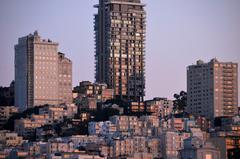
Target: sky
[{"x": 178, "y": 34}]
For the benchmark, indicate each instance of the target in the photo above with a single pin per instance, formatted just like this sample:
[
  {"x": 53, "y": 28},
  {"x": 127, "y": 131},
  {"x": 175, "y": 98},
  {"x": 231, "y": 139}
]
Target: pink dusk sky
[{"x": 178, "y": 34}]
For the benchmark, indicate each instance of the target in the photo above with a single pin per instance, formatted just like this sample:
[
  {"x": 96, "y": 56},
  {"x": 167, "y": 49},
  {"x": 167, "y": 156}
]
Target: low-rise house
[
  {"x": 203, "y": 123},
  {"x": 195, "y": 148},
  {"x": 88, "y": 103},
  {"x": 95, "y": 128},
  {"x": 137, "y": 107},
  {"x": 153, "y": 147},
  {"x": 178, "y": 124},
  {"x": 57, "y": 113},
  {"x": 197, "y": 132},
  {"x": 143, "y": 155},
  {"x": 45, "y": 132},
  {"x": 172, "y": 142},
  {"x": 133, "y": 147},
  {"x": 122, "y": 147},
  {"x": 226, "y": 144},
  {"x": 125, "y": 123},
  {"x": 36, "y": 149},
  {"x": 6, "y": 112},
  {"x": 160, "y": 107},
  {"x": 99, "y": 91},
  {"x": 18, "y": 153},
  {"x": 75, "y": 155},
  {"x": 26, "y": 126},
  {"x": 8, "y": 138},
  {"x": 59, "y": 145},
  {"x": 83, "y": 140},
  {"x": 72, "y": 109}
]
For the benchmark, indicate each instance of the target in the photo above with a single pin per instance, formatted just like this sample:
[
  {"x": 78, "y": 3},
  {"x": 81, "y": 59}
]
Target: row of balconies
[
  {"x": 227, "y": 79},
  {"x": 227, "y": 99},
  {"x": 227, "y": 75},
  {"x": 227, "y": 82},
  {"x": 228, "y": 95},
  {"x": 227, "y": 71},
  {"x": 230, "y": 91}
]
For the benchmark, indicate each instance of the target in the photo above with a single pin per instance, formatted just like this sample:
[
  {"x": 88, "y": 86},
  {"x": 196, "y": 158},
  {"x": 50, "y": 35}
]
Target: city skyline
[
  {"x": 221, "y": 40},
  {"x": 79, "y": 91}
]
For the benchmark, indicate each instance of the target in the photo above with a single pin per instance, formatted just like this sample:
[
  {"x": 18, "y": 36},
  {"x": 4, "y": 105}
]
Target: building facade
[
  {"x": 161, "y": 107},
  {"x": 6, "y": 112},
  {"x": 93, "y": 91},
  {"x": 7, "y": 95},
  {"x": 172, "y": 143},
  {"x": 65, "y": 79},
  {"x": 120, "y": 47},
  {"x": 195, "y": 148},
  {"x": 37, "y": 65},
  {"x": 212, "y": 89},
  {"x": 8, "y": 138}
]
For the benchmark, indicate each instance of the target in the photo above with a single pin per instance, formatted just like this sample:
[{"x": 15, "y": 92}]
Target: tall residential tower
[
  {"x": 212, "y": 89},
  {"x": 120, "y": 28},
  {"x": 64, "y": 79},
  {"x": 40, "y": 72}
]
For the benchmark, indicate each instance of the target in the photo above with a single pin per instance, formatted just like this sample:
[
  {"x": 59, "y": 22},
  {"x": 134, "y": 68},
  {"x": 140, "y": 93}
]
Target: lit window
[{"x": 208, "y": 156}]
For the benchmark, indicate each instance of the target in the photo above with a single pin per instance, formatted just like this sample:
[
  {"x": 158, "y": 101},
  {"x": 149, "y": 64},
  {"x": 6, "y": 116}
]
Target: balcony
[
  {"x": 226, "y": 100},
  {"x": 229, "y": 91},
  {"x": 227, "y": 75},
  {"x": 227, "y": 71},
  {"x": 227, "y": 79}
]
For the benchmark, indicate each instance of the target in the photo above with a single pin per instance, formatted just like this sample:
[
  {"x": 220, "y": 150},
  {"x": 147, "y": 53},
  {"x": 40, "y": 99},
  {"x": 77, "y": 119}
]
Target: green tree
[{"x": 180, "y": 102}]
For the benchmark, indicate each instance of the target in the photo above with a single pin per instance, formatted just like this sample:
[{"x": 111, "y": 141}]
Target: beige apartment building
[
  {"x": 131, "y": 148},
  {"x": 65, "y": 79},
  {"x": 42, "y": 75},
  {"x": 212, "y": 89},
  {"x": 172, "y": 143},
  {"x": 161, "y": 107},
  {"x": 23, "y": 126},
  {"x": 120, "y": 28},
  {"x": 8, "y": 138},
  {"x": 99, "y": 91},
  {"x": 7, "y": 111}
]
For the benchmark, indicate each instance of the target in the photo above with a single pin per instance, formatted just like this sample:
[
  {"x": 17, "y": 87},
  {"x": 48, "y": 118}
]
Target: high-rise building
[
  {"x": 120, "y": 47},
  {"x": 38, "y": 71},
  {"x": 212, "y": 89},
  {"x": 65, "y": 78}
]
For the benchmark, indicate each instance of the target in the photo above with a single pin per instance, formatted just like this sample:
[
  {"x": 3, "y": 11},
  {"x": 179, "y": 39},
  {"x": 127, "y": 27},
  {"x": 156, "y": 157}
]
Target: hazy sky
[{"x": 179, "y": 32}]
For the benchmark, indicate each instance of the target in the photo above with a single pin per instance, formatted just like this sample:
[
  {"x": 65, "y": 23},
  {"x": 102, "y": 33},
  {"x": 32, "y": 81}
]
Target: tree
[
  {"x": 7, "y": 95},
  {"x": 180, "y": 102},
  {"x": 104, "y": 114}
]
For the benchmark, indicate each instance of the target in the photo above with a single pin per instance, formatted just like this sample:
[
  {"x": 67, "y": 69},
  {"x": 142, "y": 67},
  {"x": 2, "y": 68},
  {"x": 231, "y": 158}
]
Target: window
[{"x": 208, "y": 156}]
